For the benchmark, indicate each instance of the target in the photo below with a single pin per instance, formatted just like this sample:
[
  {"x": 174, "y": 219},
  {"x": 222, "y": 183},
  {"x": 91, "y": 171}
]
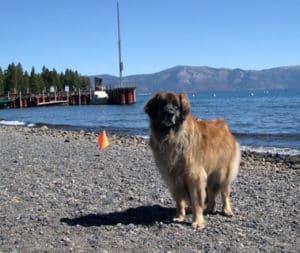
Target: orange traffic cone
[{"x": 102, "y": 140}]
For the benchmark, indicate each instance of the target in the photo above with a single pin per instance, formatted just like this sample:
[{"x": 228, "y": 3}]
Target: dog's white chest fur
[{"x": 171, "y": 153}]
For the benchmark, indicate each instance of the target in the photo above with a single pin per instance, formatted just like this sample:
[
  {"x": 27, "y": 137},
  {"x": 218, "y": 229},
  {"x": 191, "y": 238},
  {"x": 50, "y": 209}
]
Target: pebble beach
[{"x": 60, "y": 193}]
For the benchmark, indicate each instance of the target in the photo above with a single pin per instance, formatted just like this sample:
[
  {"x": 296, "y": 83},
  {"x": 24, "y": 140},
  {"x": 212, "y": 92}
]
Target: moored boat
[{"x": 100, "y": 97}]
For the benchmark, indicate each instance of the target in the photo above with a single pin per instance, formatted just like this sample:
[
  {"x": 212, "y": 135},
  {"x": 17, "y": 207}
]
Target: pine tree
[
  {"x": 62, "y": 80},
  {"x": 70, "y": 79},
  {"x": 34, "y": 82},
  {"x": 46, "y": 77},
  {"x": 55, "y": 80},
  {"x": 19, "y": 73},
  {"x": 26, "y": 86},
  {"x": 41, "y": 85},
  {"x": 76, "y": 80},
  {"x": 84, "y": 82},
  {"x": 14, "y": 80},
  {"x": 11, "y": 78},
  {"x": 1, "y": 82}
]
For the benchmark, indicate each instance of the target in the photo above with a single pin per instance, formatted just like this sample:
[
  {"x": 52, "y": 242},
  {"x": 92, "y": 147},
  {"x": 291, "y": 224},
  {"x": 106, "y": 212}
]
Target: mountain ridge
[{"x": 203, "y": 78}]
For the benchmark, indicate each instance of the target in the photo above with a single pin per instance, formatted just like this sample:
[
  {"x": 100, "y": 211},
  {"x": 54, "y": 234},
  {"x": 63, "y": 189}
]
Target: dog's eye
[{"x": 175, "y": 105}]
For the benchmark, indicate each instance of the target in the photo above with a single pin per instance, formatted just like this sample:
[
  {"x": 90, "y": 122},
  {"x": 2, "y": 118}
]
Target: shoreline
[
  {"x": 138, "y": 140},
  {"x": 283, "y": 151},
  {"x": 60, "y": 193}
]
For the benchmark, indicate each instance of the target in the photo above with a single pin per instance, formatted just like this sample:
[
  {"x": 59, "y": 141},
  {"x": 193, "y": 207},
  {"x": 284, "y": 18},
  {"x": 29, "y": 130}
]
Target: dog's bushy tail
[{"x": 235, "y": 163}]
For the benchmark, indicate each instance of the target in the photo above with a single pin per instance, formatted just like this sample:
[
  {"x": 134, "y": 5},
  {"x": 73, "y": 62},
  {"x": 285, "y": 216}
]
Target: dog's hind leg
[
  {"x": 233, "y": 171},
  {"x": 212, "y": 189},
  {"x": 225, "y": 192},
  {"x": 211, "y": 192}
]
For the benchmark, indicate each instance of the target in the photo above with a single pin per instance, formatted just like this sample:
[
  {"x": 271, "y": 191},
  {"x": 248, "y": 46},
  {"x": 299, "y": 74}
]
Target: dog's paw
[
  {"x": 179, "y": 218},
  {"x": 199, "y": 224},
  {"x": 227, "y": 213},
  {"x": 209, "y": 211}
]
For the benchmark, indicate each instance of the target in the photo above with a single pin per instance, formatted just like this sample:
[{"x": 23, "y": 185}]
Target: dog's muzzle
[{"x": 169, "y": 116}]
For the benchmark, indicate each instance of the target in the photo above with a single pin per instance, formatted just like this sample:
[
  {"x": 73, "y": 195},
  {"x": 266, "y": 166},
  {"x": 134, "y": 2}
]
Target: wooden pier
[
  {"x": 121, "y": 96},
  {"x": 117, "y": 96}
]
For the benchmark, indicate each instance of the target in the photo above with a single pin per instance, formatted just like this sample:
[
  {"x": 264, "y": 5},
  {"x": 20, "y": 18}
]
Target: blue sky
[{"x": 156, "y": 34}]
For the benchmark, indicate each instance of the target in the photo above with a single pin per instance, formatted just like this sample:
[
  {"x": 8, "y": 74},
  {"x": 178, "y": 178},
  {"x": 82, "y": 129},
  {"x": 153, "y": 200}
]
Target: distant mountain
[{"x": 193, "y": 79}]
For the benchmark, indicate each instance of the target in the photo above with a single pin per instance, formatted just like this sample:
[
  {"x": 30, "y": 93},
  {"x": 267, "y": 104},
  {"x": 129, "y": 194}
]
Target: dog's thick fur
[{"x": 196, "y": 158}]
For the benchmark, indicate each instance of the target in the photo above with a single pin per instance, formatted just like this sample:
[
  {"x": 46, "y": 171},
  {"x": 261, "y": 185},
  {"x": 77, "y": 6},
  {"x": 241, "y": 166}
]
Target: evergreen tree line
[{"x": 15, "y": 80}]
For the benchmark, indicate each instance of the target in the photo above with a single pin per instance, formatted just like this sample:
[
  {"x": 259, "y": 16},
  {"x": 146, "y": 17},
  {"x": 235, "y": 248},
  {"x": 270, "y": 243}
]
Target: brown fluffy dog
[{"x": 196, "y": 158}]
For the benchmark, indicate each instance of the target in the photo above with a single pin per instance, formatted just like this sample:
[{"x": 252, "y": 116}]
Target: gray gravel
[{"x": 60, "y": 193}]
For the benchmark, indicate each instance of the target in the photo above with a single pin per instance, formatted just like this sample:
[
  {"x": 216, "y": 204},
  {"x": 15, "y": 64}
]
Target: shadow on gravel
[{"x": 143, "y": 215}]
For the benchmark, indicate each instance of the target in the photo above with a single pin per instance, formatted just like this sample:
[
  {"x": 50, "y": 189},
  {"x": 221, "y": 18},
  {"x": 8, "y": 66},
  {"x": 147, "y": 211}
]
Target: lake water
[{"x": 261, "y": 120}]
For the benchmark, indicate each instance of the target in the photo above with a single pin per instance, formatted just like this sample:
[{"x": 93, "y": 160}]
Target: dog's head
[{"x": 167, "y": 110}]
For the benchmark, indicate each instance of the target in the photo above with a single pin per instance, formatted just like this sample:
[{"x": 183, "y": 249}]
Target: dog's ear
[
  {"x": 152, "y": 105},
  {"x": 185, "y": 106}
]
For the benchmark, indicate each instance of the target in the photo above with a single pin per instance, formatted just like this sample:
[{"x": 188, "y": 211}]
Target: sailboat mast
[{"x": 119, "y": 46}]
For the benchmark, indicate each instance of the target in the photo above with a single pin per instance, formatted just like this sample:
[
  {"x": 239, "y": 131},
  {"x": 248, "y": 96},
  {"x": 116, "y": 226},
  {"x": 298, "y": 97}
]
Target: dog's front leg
[
  {"x": 179, "y": 196},
  {"x": 197, "y": 197},
  {"x": 180, "y": 205}
]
